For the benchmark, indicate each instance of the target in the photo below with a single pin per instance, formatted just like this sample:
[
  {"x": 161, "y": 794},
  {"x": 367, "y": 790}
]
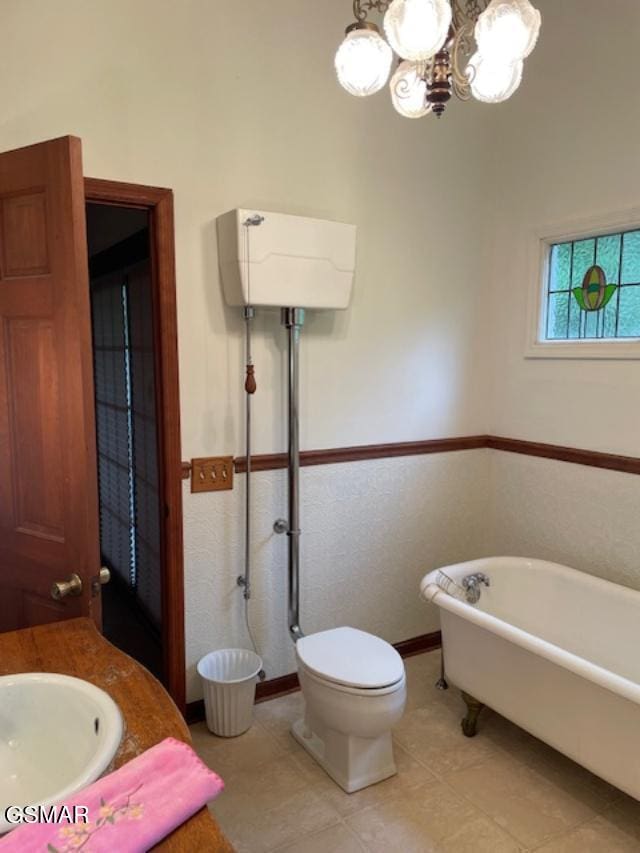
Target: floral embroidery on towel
[{"x": 77, "y": 835}]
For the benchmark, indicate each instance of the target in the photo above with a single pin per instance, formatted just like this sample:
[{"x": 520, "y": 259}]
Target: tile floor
[{"x": 503, "y": 791}]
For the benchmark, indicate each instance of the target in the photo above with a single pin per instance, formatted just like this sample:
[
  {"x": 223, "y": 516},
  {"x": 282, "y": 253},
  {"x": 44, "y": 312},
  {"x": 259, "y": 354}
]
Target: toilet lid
[{"x": 351, "y": 657}]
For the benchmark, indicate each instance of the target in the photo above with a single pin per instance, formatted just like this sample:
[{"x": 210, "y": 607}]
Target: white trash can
[{"x": 229, "y": 679}]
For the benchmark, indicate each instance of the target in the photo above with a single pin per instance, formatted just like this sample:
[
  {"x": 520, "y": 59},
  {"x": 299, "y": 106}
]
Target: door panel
[
  {"x": 31, "y": 374},
  {"x": 24, "y": 235},
  {"x": 48, "y": 480}
]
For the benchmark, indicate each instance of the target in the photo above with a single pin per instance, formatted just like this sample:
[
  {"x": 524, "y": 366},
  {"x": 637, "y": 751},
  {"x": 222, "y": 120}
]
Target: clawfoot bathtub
[{"x": 555, "y": 650}]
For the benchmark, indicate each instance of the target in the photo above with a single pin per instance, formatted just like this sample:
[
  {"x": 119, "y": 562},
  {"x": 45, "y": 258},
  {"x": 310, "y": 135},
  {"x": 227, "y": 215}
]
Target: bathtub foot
[{"x": 470, "y": 722}]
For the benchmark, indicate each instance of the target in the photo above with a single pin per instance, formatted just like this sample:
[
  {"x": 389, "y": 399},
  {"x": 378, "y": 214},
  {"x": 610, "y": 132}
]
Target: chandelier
[{"x": 470, "y": 48}]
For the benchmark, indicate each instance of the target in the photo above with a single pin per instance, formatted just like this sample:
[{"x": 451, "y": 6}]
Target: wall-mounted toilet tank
[{"x": 286, "y": 260}]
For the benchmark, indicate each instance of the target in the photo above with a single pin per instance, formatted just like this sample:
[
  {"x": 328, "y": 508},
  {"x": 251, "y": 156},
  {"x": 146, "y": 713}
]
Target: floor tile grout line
[
  {"x": 355, "y": 834},
  {"x": 442, "y": 780},
  {"x": 283, "y": 753},
  {"x": 567, "y": 832},
  {"x": 319, "y": 794},
  {"x": 369, "y": 806},
  {"x": 500, "y": 750},
  {"x": 517, "y": 759},
  {"x": 305, "y": 836},
  {"x": 275, "y": 738},
  {"x": 438, "y": 777},
  {"x": 552, "y": 837},
  {"x": 271, "y": 736},
  {"x": 457, "y": 793}
]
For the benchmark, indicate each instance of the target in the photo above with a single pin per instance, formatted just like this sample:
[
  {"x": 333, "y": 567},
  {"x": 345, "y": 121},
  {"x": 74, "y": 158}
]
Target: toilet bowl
[{"x": 354, "y": 688}]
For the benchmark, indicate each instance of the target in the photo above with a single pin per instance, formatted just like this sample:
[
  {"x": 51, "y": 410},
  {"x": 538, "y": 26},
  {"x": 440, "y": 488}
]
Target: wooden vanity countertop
[{"x": 76, "y": 648}]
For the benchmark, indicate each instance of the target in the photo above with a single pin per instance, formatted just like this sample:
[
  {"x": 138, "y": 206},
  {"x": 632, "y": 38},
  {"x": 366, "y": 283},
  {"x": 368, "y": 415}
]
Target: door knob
[
  {"x": 105, "y": 575},
  {"x": 62, "y": 589}
]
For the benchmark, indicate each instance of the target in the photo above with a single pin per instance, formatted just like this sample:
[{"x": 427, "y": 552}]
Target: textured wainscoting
[
  {"x": 581, "y": 516},
  {"x": 371, "y": 530}
]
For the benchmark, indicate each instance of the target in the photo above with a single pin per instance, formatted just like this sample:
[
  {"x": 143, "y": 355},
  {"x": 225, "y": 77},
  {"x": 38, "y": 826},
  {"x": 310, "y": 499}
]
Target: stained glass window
[{"x": 593, "y": 288}]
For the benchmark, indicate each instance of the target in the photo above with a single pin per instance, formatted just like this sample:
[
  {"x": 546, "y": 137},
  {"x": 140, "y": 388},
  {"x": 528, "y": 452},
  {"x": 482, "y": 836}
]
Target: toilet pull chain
[{"x": 244, "y": 580}]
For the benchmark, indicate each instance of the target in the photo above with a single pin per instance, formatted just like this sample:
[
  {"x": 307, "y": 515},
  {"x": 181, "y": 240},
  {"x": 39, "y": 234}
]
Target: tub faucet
[{"x": 472, "y": 584}]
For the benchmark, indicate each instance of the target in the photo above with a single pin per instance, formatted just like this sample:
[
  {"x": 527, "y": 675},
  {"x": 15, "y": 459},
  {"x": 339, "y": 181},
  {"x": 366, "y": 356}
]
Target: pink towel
[{"x": 129, "y": 810}]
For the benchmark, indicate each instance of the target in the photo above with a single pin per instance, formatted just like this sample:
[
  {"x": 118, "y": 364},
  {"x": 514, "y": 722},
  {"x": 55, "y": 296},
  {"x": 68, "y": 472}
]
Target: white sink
[{"x": 57, "y": 735}]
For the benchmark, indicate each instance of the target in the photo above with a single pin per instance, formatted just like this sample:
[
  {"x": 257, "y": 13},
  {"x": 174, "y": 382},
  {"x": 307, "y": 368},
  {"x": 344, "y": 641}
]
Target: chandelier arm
[
  {"x": 362, "y": 7},
  {"x": 467, "y": 11},
  {"x": 474, "y": 8},
  {"x": 358, "y": 12},
  {"x": 462, "y": 47}
]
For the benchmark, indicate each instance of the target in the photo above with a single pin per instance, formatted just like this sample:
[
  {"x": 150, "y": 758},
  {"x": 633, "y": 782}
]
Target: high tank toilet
[
  {"x": 353, "y": 683},
  {"x": 355, "y": 690}
]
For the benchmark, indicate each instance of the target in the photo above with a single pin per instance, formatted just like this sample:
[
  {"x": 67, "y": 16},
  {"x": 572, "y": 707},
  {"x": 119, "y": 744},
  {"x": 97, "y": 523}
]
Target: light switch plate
[{"x": 213, "y": 474}]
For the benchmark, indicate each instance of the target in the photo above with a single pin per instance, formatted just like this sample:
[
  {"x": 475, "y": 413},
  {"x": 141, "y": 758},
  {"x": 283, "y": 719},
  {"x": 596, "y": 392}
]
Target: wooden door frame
[{"x": 159, "y": 203}]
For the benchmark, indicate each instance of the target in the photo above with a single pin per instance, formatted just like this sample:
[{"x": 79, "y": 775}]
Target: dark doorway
[{"x": 127, "y": 426}]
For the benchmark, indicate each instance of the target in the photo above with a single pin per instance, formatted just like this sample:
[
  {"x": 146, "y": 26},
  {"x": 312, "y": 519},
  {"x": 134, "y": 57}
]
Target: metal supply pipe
[{"x": 293, "y": 320}]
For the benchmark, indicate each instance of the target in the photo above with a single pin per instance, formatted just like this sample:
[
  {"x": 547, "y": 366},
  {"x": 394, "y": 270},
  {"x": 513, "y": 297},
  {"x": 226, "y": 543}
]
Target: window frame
[{"x": 540, "y": 251}]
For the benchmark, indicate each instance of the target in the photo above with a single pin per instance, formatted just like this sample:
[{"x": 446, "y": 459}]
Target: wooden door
[{"x": 48, "y": 474}]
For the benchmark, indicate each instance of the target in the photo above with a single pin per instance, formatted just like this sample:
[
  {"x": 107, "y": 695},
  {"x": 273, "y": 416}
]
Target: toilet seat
[
  {"x": 354, "y": 691},
  {"x": 351, "y": 660}
]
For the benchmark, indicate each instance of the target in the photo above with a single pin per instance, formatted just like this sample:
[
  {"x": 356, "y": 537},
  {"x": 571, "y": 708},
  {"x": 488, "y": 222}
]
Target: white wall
[
  {"x": 236, "y": 104},
  {"x": 565, "y": 147},
  {"x": 582, "y": 517},
  {"x": 371, "y": 530}
]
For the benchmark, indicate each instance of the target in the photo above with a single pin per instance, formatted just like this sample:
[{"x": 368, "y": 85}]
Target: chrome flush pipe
[{"x": 293, "y": 320}]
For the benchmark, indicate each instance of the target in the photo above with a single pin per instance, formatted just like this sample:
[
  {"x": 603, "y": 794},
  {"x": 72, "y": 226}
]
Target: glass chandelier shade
[
  {"x": 492, "y": 81},
  {"x": 467, "y": 48},
  {"x": 507, "y": 30},
  {"x": 417, "y": 29},
  {"x": 409, "y": 90},
  {"x": 363, "y": 61}
]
